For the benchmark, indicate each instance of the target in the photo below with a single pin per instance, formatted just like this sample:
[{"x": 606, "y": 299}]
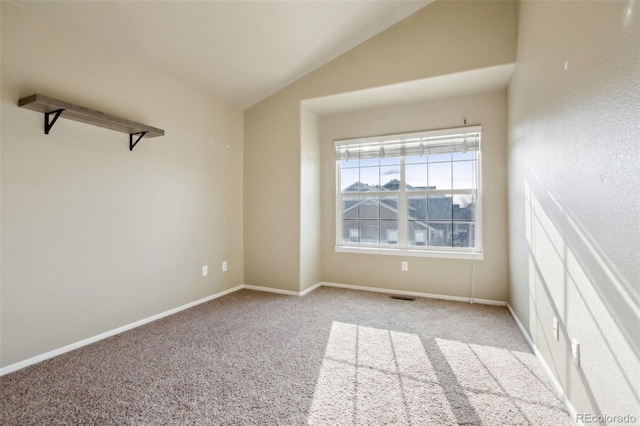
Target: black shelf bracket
[
  {"x": 49, "y": 124},
  {"x": 132, "y": 144}
]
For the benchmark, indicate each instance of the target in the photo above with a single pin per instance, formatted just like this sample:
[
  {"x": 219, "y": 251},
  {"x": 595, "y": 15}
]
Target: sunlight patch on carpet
[{"x": 377, "y": 376}]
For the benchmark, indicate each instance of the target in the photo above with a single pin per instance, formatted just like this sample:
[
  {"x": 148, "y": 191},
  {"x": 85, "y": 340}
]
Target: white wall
[
  {"x": 443, "y": 38},
  {"x": 480, "y": 279},
  {"x": 95, "y": 237},
  {"x": 574, "y": 204},
  {"x": 310, "y": 200}
]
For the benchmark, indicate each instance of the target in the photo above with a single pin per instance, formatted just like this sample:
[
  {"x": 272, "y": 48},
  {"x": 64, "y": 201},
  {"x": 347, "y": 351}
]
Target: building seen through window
[{"x": 420, "y": 201}]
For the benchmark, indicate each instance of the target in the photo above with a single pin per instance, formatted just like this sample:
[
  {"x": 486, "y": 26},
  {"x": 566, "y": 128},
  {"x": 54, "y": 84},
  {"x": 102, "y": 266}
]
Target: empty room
[{"x": 320, "y": 212}]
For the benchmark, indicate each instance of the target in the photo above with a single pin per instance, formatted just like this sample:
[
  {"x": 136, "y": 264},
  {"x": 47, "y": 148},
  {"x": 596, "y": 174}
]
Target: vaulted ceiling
[{"x": 240, "y": 51}]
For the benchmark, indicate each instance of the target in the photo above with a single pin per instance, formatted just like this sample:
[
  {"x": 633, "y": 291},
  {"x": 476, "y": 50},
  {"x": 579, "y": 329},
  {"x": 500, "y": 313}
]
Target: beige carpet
[{"x": 334, "y": 356}]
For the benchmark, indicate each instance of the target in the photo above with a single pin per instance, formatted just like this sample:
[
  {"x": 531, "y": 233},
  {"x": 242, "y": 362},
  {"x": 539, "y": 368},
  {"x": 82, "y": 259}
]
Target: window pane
[
  {"x": 370, "y": 179},
  {"x": 390, "y": 178},
  {"x": 369, "y": 232},
  {"x": 416, "y": 159},
  {"x": 439, "y": 234},
  {"x": 439, "y": 207},
  {"x": 369, "y": 207},
  {"x": 418, "y": 233},
  {"x": 390, "y": 161},
  {"x": 436, "y": 158},
  {"x": 370, "y": 162},
  {"x": 464, "y": 234},
  {"x": 350, "y": 231},
  {"x": 415, "y": 176},
  {"x": 350, "y": 207},
  {"x": 440, "y": 175},
  {"x": 464, "y": 207},
  {"x": 389, "y": 232},
  {"x": 349, "y": 180},
  {"x": 417, "y": 207},
  {"x": 463, "y": 174},
  {"x": 345, "y": 164},
  {"x": 389, "y": 208},
  {"x": 469, "y": 155}
]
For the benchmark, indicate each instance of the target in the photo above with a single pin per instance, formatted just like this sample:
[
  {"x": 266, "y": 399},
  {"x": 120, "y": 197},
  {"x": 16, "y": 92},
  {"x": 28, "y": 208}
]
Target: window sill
[{"x": 411, "y": 253}]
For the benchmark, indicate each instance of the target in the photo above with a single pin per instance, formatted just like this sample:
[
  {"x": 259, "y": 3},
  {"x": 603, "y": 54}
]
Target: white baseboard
[
  {"x": 47, "y": 355},
  {"x": 280, "y": 291},
  {"x": 417, "y": 294},
  {"x": 271, "y": 290},
  {"x": 310, "y": 289},
  {"x": 557, "y": 386}
]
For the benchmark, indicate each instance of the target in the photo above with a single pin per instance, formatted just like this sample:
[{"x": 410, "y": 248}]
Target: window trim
[
  {"x": 402, "y": 248},
  {"x": 393, "y": 251}
]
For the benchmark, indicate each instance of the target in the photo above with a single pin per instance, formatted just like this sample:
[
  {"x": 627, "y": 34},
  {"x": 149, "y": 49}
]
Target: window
[{"x": 414, "y": 193}]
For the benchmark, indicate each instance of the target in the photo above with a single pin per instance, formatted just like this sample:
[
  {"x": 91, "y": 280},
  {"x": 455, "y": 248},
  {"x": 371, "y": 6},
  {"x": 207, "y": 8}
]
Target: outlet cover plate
[{"x": 575, "y": 351}]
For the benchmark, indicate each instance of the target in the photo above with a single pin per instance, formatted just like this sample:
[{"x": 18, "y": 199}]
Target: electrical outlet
[
  {"x": 205, "y": 270},
  {"x": 404, "y": 266},
  {"x": 224, "y": 266},
  {"x": 575, "y": 351},
  {"x": 556, "y": 331}
]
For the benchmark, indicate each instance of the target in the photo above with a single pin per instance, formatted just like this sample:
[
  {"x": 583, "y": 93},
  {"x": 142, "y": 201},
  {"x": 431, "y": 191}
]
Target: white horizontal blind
[{"x": 461, "y": 139}]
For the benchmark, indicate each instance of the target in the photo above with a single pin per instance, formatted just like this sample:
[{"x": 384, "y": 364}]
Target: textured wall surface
[{"x": 574, "y": 109}]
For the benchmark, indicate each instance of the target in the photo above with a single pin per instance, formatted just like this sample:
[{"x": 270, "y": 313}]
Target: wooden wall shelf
[{"x": 56, "y": 108}]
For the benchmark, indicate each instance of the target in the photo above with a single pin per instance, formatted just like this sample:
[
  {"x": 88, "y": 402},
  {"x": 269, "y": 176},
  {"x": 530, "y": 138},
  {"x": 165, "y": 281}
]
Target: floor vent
[{"x": 399, "y": 297}]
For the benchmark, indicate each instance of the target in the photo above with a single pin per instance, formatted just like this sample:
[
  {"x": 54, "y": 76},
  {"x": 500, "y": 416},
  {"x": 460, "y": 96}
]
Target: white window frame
[{"x": 402, "y": 248}]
